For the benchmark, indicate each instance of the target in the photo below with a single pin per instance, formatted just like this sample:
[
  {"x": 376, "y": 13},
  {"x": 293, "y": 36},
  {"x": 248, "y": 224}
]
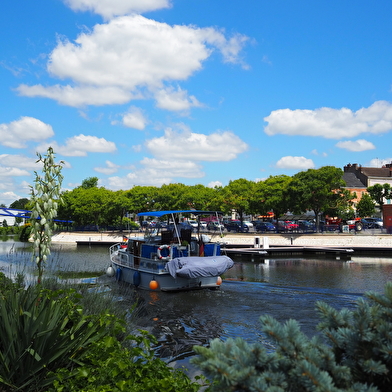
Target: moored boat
[{"x": 170, "y": 256}]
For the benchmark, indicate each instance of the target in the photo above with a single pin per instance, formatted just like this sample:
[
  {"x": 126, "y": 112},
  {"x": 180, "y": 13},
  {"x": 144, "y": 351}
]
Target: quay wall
[{"x": 363, "y": 239}]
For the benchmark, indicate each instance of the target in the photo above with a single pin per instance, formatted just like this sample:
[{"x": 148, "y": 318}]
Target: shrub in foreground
[
  {"x": 47, "y": 343},
  {"x": 352, "y": 353}
]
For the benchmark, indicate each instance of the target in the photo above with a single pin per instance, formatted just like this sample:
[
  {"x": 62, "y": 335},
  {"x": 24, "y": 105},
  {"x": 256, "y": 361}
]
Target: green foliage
[
  {"x": 40, "y": 332},
  {"x": 353, "y": 353},
  {"x": 380, "y": 192},
  {"x": 22, "y": 232},
  {"x": 365, "y": 206},
  {"x": 20, "y": 204},
  {"x": 6, "y": 284},
  {"x": 237, "y": 196},
  {"x": 48, "y": 343},
  {"x": 111, "y": 367},
  {"x": 271, "y": 195},
  {"x": 87, "y": 205},
  {"x": 320, "y": 190},
  {"x": 90, "y": 182},
  {"x": 44, "y": 198}
]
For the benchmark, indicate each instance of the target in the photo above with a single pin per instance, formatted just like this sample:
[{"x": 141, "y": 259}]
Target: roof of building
[
  {"x": 352, "y": 181},
  {"x": 376, "y": 171}
]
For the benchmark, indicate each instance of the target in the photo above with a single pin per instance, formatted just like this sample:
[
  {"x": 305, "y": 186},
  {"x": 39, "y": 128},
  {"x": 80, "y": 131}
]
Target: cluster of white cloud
[
  {"x": 133, "y": 57},
  {"x": 219, "y": 146},
  {"x": 110, "y": 8},
  {"x": 178, "y": 154},
  {"x": 290, "y": 162},
  {"x": 19, "y": 132},
  {"x": 330, "y": 124}
]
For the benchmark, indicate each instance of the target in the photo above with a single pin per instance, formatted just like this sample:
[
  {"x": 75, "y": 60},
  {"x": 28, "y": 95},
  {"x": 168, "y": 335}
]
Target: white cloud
[
  {"x": 78, "y": 96},
  {"x": 134, "y": 118},
  {"x": 110, "y": 8},
  {"x": 109, "y": 169},
  {"x": 315, "y": 152},
  {"x": 18, "y": 161},
  {"x": 81, "y": 145},
  {"x": 174, "y": 168},
  {"x": 379, "y": 162},
  {"x": 357, "y": 145},
  {"x": 290, "y": 162},
  {"x": 8, "y": 197},
  {"x": 17, "y": 133},
  {"x": 219, "y": 146},
  {"x": 12, "y": 172},
  {"x": 175, "y": 100},
  {"x": 157, "y": 172},
  {"x": 331, "y": 123},
  {"x": 133, "y": 57},
  {"x": 214, "y": 184}
]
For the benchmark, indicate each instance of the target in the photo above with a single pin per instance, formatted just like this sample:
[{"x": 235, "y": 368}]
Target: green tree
[
  {"x": 89, "y": 205},
  {"x": 380, "y": 192},
  {"x": 22, "y": 204},
  {"x": 237, "y": 195},
  {"x": 352, "y": 354},
  {"x": 90, "y": 182},
  {"x": 142, "y": 198},
  {"x": 272, "y": 195},
  {"x": 172, "y": 197},
  {"x": 365, "y": 206},
  {"x": 198, "y": 197},
  {"x": 317, "y": 190},
  {"x": 118, "y": 207},
  {"x": 45, "y": 196}
]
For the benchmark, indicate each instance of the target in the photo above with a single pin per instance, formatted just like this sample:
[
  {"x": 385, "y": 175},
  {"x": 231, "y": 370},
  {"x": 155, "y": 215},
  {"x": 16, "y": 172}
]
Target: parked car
[
  {"x": 287, "y": 226},
  {"x": 372, "y": 223},
  {"x": 193, "y": 223},
  {"x": 306, "y": 226},
  {"x": 264, "y": 226},
  {"x": 215, "y": 226},
  {"x": 237, "y": 226},
  {"x": 249, "y": 224}
]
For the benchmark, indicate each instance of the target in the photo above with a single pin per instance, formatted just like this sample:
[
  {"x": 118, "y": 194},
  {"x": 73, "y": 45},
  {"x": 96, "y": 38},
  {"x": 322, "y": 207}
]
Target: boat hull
[{"x": 164, "y": 281}]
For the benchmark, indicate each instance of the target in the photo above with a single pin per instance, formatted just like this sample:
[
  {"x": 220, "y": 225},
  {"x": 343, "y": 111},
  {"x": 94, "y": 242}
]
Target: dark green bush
[{"x": 48, "y": 343}]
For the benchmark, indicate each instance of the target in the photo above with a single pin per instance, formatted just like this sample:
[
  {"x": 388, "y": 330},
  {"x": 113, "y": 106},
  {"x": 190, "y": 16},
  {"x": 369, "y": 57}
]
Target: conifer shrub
[{"x": 352, "y": 352}]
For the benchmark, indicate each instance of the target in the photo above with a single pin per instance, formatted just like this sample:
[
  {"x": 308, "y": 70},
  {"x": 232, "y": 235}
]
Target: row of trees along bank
[{"x": 318, "y": 190}]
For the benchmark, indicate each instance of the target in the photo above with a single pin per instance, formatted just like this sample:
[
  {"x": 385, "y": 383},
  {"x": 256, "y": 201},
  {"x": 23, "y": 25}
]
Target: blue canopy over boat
[{"x": 162, "y": 213}]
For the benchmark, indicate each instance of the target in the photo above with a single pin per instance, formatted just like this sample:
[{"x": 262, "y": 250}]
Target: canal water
[{"x": 283, "y": 288}]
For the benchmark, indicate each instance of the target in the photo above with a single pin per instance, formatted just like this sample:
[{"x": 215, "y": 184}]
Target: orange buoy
[
  {"x": 218, "y": 280},
  {"x": 154, "y": 284}
]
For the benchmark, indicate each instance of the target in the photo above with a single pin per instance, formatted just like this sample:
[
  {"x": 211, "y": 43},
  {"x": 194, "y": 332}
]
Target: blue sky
[{"x": 150, "y": 92}]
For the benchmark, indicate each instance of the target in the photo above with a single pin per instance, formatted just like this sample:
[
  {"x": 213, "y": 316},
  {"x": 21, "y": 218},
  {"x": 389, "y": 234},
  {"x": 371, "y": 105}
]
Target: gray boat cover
[{"x": 196, "y": 267}]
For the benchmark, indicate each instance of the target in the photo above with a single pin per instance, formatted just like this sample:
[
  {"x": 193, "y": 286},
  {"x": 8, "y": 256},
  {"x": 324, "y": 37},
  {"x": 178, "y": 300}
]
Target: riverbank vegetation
[{"x": 50, "y": 342}]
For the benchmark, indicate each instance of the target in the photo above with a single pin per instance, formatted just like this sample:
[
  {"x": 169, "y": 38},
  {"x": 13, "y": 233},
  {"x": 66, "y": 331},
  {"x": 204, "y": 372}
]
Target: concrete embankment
[{"x": 362, "y": 239}]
